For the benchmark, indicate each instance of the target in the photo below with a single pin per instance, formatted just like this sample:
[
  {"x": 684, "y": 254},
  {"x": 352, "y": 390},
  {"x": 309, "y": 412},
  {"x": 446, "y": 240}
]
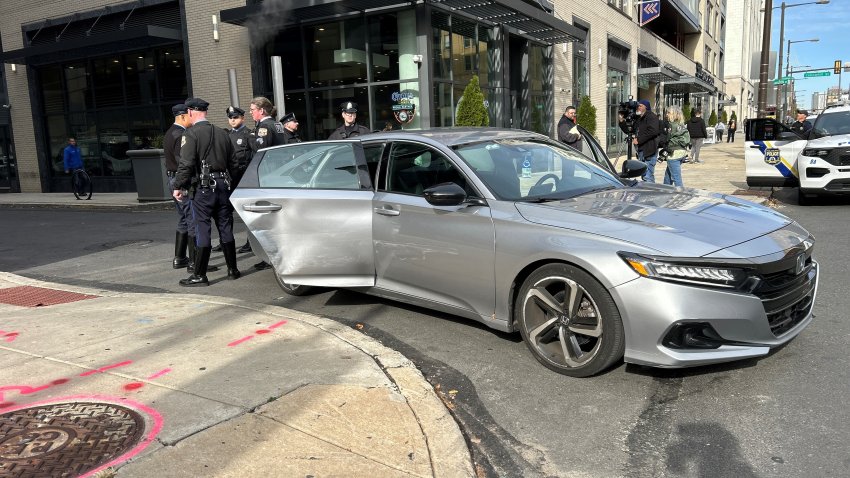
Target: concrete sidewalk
[
  {"x": 723, "y": 172},
  {"x": 222, "y": 388}
]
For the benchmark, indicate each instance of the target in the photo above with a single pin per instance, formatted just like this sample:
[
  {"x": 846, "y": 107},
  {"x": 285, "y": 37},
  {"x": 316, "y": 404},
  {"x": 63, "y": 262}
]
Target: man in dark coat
[
  {"x": 567, "y": 130},
  {"x": 647, "y": 129},
  {"x": 290, "y": 128},
  {"x": 241, "y": 138},
  {"x": 802, "y": 126},
  {"x": 349, "y": 127},
  {"x": 171, "y": 146},
  {"x": 207, "y": 155},
  {"x": 698, "y": 132}
]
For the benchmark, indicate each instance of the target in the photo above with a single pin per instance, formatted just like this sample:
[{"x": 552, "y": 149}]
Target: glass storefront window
[
  {"x": 485, "y": 62},
  {"x": 114, "y": 141},
  {"x": 78, "y": 88},
  {"x": 442, "y": 46},
  {"x": 140, "y": 78},
  {"x": 83, "y": 128},
  {"x": 618, "y": 89},
  {"x": 336, "y": 53},
  {"x": 51, "y": 89},
  {"x": 172, "y": 75},
  {"x": 108, "y": 90},
  {"x": 464, "y": 51},
  {"x": 443, "y": 114},
  {"x": 57, "y": 137},
  {"x": 391, "y": 102},
  {"x": 327, "y": 115}
]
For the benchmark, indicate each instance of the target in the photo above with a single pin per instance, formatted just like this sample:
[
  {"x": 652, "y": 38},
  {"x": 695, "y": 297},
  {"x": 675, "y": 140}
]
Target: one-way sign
[{"x": 649, "y": 11}]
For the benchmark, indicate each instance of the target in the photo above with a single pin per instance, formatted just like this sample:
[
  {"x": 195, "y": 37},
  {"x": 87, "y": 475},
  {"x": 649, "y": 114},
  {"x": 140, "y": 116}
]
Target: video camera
[{"x": 628, "y": 110}]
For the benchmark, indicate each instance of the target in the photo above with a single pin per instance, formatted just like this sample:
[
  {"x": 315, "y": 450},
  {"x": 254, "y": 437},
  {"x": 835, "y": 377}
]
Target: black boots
[
  {"x": 191, "y": 251},
  {"x": 229, "y": 250},
  {"x": 199, "y": 277},
  {"x": 245, "y": 248},
  {"x": 181, "y": 241}
]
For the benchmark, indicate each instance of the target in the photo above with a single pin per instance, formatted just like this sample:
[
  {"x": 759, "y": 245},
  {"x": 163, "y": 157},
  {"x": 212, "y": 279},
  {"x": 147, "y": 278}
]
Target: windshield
[
  {"x": 528, "y": 170},
  {"x": 831, "y": 124}
]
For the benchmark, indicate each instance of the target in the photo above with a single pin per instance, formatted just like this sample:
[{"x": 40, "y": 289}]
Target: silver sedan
[{"x": 519, "y": 232}]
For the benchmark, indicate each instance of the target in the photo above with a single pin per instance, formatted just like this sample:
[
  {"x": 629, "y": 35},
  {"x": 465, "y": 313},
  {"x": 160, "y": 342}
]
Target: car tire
[
  {"x": 292, "y": 289},
  {"x": 577, "y": 341},
  {"x": 805, "y": 199}
]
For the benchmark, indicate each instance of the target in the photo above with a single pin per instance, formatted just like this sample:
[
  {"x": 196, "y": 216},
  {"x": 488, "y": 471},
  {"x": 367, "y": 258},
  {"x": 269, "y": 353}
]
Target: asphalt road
[{"x": 783, "y": 415}]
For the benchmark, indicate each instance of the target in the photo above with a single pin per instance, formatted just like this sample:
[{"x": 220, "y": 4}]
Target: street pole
[
  {"x": 765, "y": 58},
  {"x": 779, "y": 61},
  {"x": 785, "y": 86}
]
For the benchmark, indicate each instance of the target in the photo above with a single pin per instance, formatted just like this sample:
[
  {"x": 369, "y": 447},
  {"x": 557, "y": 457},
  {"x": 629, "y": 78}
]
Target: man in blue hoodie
[{"x": 72, "y": 158}]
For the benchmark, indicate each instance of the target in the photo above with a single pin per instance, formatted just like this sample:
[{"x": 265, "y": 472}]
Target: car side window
[
  {"x": 373, "y": 153},
  {"x": 766, "y": 129},
  {"x": 413, "y": 168},
  {"x": 311, "y": 166}
]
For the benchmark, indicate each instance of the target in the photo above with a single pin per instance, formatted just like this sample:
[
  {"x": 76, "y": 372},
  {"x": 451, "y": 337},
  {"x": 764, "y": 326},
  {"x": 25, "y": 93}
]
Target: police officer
[
  {"x": 241, "y": 138},
  {"x": 268, "y": 133},
  {"x": 207, "y": 155},
  {"x": 290, "y": 128},
  {"x": 171, "y": 145},
  {"x": 349, "y": 127}
]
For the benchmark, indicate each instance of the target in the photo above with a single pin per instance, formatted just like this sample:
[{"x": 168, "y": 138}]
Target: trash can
[{"x": 149, "y": 171}]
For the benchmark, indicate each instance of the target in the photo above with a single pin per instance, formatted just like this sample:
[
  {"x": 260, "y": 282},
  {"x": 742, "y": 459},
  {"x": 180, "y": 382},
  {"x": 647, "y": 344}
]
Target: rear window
[{"x": 310, "y": 166}]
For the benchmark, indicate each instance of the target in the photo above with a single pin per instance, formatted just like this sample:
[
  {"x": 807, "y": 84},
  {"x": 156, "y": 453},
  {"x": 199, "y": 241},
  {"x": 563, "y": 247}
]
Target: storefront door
[{"x": 8, "y": 169}]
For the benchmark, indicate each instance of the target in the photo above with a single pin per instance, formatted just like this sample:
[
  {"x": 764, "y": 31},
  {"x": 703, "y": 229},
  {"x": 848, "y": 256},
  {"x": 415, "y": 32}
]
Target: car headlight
[
  {"x": 691, "y": 273},
  {"x": 816, "y": 152}
]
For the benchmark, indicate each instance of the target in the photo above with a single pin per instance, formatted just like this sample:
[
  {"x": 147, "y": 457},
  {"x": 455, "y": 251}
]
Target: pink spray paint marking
[
  {"x": 153, "y": 420},
  {"x": 159, "y": 374},
  {"x": 237, "y": 342},
  {"x": 108, "y": 367},
  {"x": 133, "y": 386},
  {"x": 8, "y": 336},
  {"x": 274, "y": 326},
  {"x": 26, "y": 389}
]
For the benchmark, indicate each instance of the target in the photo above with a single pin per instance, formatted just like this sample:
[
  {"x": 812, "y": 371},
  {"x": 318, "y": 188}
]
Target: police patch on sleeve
[
  {"x": 278, "y": 127},
  {"x": 262, "y": 132},
  {"x": 259, "y": 140},
  {"x": 182, "y": 141}
]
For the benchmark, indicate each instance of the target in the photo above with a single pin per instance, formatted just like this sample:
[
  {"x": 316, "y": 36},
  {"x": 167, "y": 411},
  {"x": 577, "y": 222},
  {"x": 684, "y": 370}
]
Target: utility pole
[{"x": 765, "y": 58}]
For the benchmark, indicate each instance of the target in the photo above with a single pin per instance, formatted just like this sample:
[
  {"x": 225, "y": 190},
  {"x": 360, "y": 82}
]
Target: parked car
[
  {"x": 818, "y": 164},
  {"x": 590, "y": 267}
]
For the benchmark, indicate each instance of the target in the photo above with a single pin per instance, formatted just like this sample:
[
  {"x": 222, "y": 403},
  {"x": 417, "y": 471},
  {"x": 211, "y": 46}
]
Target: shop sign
[{"x": 404, "y": 110}]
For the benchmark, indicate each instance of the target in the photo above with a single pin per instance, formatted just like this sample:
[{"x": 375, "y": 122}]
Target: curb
[
  {"x": 447, "y": 447},
  {"x": 83, "y": 206}
]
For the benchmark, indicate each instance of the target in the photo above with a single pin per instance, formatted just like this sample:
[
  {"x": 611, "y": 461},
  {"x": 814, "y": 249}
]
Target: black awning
[
  {"x": 95, "y": 45},
  {"x": 529, "y": 20},
  {"x": 657, "y": 74},
  {"x": 273, "y": 15}
]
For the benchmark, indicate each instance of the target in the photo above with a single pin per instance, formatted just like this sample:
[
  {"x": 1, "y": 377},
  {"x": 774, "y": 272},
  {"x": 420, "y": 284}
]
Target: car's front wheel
[
  {"x": 569, "y": 321},
  {"x": 292, "y": 289}
]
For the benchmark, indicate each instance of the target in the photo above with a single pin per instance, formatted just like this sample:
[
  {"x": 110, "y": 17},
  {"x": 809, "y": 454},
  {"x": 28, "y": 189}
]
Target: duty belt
[
  {"x": 171, "y": 174},
  {"x": 218, "y": 175}
]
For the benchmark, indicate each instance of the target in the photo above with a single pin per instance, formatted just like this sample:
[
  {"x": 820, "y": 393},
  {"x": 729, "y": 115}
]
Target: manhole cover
[
  {"x": 65, "y": 439},
  {"x": 28, "y": 296}
]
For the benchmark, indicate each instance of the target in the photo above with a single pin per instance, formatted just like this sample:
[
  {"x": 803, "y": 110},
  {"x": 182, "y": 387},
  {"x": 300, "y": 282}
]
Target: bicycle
[{"x": 81, "y": 183}]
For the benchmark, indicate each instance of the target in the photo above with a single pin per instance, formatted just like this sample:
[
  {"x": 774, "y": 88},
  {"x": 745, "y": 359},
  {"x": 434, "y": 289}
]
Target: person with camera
[
  {"x": 645, "y": 127},
  {"x": 675, "y": 148}
]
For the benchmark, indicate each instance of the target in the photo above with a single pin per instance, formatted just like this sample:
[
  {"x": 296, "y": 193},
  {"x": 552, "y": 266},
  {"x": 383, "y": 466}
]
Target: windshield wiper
[{"x": 544, "y": 199}]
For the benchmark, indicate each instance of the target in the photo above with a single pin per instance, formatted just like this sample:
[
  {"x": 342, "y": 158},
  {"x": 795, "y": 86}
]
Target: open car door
[
  {"x": 309, "y": 206},
  {"x": 770, "y": 153}
]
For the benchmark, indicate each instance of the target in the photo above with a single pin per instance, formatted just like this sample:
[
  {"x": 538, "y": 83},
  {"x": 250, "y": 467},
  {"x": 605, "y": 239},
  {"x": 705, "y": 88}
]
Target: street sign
[
  {"x": 816, "y": 73},
  {"x": 786, "y": 78},
  {"x": 649, "y": 11},
  {"x": 780, "y": 82}
]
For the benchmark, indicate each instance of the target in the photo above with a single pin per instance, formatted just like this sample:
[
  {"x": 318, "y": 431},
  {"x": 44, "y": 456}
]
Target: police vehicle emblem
[
  {"x": 262, "y": 132},
  {"x": 771, "y": 156}
]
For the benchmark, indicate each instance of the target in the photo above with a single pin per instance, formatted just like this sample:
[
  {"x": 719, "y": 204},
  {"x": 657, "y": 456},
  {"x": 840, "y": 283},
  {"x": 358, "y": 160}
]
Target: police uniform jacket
[
  {"x": 269, "y": 133},
  {"x": 801, "y": 127},
  {"x": 344, "y": 131},
  {"x": 171, "y": 145},
  {"x": 290, "y": 137},
  {"x": 204, "y": 141}
]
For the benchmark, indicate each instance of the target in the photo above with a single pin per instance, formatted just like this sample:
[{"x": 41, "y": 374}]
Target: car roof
[{"x": 455, "y": 136}]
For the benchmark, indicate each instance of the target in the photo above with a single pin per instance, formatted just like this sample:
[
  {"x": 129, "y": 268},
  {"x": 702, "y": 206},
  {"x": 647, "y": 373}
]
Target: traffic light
[{"x": 837, "y": 67}]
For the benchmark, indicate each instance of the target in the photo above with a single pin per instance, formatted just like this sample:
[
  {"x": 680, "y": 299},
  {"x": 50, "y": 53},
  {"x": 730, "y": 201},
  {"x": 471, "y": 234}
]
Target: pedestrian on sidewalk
[
  {"x": 698, "y": 132},
  {"x": 730, "y": 131},
  {"x": 676, "y": 149},
  {"x": 207, "y": 155},
  {"x": 719, "y": 128},
  {"x": 72, "y": 159},
  {"x": 567, "y": 129},
  {"x": 647, "y": 130}
]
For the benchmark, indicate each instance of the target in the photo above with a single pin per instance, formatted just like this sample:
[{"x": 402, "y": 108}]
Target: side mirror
[
  {"x": 633, "y": 168},
  {"x": 445, "y": 194}
]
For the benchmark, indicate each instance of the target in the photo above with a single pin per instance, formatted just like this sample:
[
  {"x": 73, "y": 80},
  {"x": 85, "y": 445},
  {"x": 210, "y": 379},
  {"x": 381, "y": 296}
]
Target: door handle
[
  {"x": 267, "y": 207},
  {"x": 387, "y": 211}
]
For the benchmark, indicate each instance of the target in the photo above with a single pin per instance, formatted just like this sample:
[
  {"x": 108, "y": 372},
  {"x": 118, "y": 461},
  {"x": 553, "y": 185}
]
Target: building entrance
[{"x": 8, "y": 166}]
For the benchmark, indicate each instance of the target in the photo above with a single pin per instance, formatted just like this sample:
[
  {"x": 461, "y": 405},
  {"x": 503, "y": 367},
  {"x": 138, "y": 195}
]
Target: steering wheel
[{"x": 545, "y": 178}]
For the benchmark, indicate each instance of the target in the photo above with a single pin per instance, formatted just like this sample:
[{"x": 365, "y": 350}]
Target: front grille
[
  {"x": 838, "y": 157},
  {"x": 787, "y": 297}
]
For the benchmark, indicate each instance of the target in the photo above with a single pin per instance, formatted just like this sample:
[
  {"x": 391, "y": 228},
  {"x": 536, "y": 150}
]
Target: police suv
[{"x": 818, "y": 164}]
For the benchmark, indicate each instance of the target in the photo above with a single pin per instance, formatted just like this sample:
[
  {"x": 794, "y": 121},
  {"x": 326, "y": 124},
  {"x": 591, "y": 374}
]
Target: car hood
[
  {"x": 679, "y": 223},
  {"x": 829, "y": 141}
]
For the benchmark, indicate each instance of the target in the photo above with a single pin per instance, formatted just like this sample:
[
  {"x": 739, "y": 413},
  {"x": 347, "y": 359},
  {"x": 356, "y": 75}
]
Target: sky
[{"x": 829, "y": 24}]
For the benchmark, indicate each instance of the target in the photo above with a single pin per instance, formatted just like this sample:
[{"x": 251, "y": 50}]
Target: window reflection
[
  {"x": 336, "y": 53},
  {"x": 78, "y": 88}
]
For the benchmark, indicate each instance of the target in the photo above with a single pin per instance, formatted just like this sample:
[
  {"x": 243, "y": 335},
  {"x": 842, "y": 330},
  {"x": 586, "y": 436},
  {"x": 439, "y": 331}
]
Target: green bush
[
  {"x": 470, "y": 109},
  {"x": 586, "y": 115},
  {"x": 724, "y": 118},
  {"x": 712, "y": 120}
]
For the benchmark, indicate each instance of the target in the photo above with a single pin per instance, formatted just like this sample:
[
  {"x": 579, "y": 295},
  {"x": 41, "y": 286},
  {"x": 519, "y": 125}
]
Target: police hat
[
  {"x": 348, "y": 107},
  {"x": 180, "y": 109},
  {"x": 235, "y": 112},
  {"x": 196, "y": 104},
  {"x": 288, "y": 117}
]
